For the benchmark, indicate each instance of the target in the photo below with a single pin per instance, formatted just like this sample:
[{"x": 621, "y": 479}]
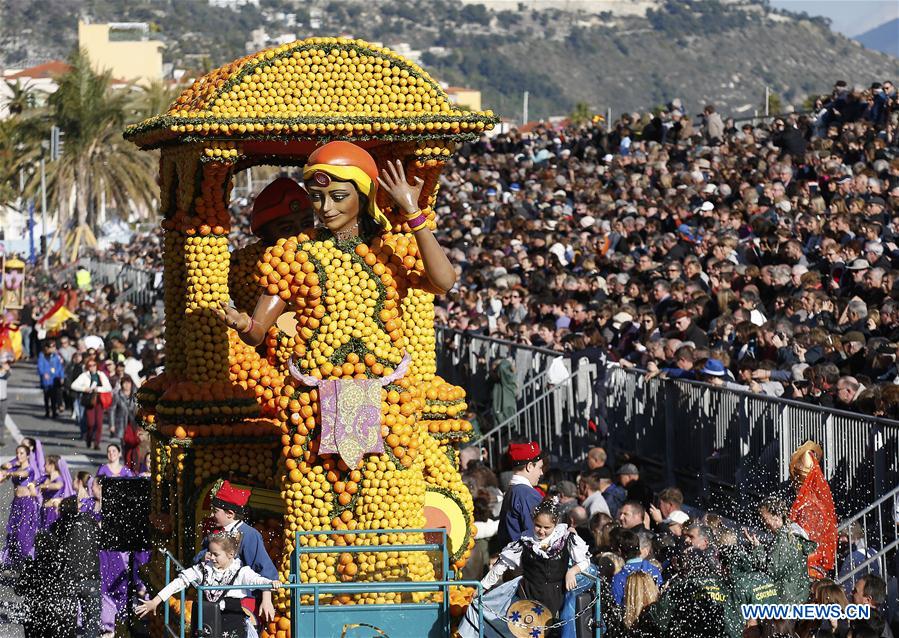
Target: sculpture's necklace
[{"x": 347, "y": 233}]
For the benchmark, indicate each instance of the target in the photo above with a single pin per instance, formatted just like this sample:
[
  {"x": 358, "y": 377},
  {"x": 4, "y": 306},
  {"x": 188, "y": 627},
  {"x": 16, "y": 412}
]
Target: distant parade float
[{"x": 337, "y": 420}]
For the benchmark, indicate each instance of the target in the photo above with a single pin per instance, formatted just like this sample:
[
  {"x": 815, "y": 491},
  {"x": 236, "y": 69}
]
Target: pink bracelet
[
  {"x": 418, "y": 222},
  {"x": 250, "y": 327}
]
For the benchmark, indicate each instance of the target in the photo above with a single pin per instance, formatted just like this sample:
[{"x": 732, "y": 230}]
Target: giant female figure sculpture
[{"x": 357, "y": 457}]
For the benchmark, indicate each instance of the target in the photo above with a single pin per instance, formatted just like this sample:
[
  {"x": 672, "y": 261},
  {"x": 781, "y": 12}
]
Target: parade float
[{"x": 223, "y": 409}]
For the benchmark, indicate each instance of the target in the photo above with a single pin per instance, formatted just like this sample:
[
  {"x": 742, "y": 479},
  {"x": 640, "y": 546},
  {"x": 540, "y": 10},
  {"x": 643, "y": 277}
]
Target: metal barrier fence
[
  {"x": 136, "y": 285},
  {"x": 715, "y": 442}
]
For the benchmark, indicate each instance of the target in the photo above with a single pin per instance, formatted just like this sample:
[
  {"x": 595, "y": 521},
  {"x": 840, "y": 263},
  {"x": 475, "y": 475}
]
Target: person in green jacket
[
  {"x": 745, "y": 585},
  {"x": 692, "y": 602},
  {"x": 504, "y": 392},
  {"x": 784, "y": 557}
]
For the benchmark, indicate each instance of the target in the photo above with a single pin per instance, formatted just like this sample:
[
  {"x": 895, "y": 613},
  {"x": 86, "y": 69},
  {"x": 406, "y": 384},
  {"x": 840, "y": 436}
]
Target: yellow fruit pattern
[{"x": 359, "y": 307}]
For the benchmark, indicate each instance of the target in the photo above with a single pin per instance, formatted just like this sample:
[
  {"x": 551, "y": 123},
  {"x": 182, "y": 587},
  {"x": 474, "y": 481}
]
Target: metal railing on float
[
  {"x": 314, "y": 617},
  {"x": 719, "y": 443}
]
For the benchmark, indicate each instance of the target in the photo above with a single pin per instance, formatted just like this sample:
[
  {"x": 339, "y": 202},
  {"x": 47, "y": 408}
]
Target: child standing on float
[
  {"x": 551, "y": 560},
  {"x": 342, "y": 180},
  {"x": 221, "y": 567}
]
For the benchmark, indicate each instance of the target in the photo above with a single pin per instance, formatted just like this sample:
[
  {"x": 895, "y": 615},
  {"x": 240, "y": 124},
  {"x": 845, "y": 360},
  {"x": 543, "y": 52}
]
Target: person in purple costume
[
  {"x": 21, "y": 528},
  {"x": 113, "y": 569},
  {"x": 84, "y": 490},
  {"x": 57, "y": 485},
  {"x": 35, "y": 457},
  {"x": 114, "y": 468}
]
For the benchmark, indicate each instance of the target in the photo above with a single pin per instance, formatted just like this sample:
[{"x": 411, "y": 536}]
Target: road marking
[
  {"x": 74, "y": 460},
  {"x": 13, "y": 429}
]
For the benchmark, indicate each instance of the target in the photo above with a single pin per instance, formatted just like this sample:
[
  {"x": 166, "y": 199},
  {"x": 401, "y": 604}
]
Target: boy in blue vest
[
  {"x": 229, "y": 507},
  {"x": 515, "y": 518}
]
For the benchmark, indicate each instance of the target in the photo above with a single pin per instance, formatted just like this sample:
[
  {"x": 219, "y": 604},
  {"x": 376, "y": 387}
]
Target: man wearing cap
[
  {"x": 229, "y": 507},
  {"x": 516, "y": 516},
  {"x": 281, "y": 210},
  {"x": 637, "y": 490}
]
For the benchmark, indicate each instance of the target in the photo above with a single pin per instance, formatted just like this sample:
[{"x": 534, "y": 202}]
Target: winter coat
[
  {"x": 122, "y": 411},
  {"x": 785, "y": 558}
]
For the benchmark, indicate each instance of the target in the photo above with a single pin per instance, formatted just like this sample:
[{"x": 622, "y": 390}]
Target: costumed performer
[
  {"x": 229, "y": 508},
  {"x": 24, "y": 515},
  {"x": 551, "y": 559},
  {"x": 222, "y": 567},
  {"x": 57, "y": 485},
  {"x": 813, "y": 510}
]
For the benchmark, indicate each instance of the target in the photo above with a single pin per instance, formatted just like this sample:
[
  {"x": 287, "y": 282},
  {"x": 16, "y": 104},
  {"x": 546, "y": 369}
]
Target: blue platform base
[{"x": 412, "y": 620}]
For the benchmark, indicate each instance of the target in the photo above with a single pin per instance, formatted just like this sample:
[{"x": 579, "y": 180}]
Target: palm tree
[
  {"x": 97, "y": 165},
  {"x": 20, "y": 136},
  {"x": 581, "y": 113},
  {"x": 21, "y": 98},
  {"x": 152, "y": 99}
]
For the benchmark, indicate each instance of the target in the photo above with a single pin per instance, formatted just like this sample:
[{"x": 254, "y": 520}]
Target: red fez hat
[
  {"x": 228, "y": 497},
  {"x": 524, "y": 452},
  {"x": 281, "y": 198}
]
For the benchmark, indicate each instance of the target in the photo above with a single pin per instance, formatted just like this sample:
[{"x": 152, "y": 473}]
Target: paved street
[{"x": 26, "y": 418}]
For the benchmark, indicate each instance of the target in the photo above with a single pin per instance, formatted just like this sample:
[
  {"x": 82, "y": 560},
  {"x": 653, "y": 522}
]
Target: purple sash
[{"x": 351, "y": 412}]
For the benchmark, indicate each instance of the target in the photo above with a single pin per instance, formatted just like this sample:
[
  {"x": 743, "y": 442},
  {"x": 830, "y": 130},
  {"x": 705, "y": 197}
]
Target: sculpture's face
[{"x": 336, "y": 204}]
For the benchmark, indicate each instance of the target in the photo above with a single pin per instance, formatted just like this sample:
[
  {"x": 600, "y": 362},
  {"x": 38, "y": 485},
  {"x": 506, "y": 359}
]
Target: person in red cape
[{"x": 813, "y": 509}]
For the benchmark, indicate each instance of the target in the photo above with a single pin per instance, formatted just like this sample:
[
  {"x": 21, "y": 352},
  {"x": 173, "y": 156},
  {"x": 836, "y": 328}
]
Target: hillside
[
  {"x": 700, "y": 51},
  {"x": 884, "y": 38}
]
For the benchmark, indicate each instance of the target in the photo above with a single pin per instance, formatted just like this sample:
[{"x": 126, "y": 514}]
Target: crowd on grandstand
[{"x": 757, "y": 256}]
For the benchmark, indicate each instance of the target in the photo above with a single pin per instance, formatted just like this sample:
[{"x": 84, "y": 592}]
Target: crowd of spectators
[
  {"x": 761, "y": 255},
  {"x": 668, "y": 569}
]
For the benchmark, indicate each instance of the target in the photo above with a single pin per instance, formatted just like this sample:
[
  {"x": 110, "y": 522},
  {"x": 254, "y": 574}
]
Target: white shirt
[
  {"x": 486, "y": 529},
  {"x": 510, "y": 557},
  {"x": 518, "y": 479},
  {"x": 241, "y": 574},
  {"x": 596, "y": 504}
]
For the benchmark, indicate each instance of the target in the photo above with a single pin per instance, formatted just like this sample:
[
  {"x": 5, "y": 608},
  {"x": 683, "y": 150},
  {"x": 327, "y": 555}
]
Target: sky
[{"x": 849, "y": 17}]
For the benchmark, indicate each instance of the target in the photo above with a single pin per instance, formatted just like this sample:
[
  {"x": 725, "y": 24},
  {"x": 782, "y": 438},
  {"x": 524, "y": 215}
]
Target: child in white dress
[{"x": 222, "y": 567}]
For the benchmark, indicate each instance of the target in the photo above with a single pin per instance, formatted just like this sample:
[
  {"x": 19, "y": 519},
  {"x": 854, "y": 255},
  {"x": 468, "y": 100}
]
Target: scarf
[
  {"x": 550, "y": 546},
  {"x": 214, "y": 576},
  {"x": 351, "y": 412}
]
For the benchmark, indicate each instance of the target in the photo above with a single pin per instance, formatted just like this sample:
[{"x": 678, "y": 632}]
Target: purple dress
[
  {"x": 114, "y": 574},
  {"x": 50, "y": 515},
  {"x": 21, "y": 528},
  {"x": 105, "y": 472}
]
